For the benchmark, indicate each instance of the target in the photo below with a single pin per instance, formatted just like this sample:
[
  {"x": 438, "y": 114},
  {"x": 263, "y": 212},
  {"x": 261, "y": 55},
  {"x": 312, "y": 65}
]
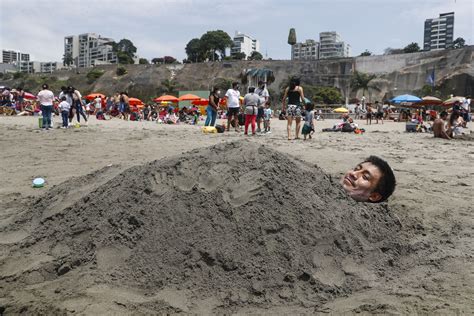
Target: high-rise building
[
  {"x": 89, "y": 49},
  {"x": 11, "y": 56},
  {"x": 439, "y": 32},
  {"x": 332, "y": 46},
  {"x": 244, "y": 44},
  {"x": 306, "y": 50}
]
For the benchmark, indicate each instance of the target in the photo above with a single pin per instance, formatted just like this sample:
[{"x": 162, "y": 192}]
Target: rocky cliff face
[{"x": 396, "y": 74}]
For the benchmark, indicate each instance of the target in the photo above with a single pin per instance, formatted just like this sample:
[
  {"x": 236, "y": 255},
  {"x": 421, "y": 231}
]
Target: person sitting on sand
[
  {"x": 455, "y": 125},
  {"x": 372, "y": 181},
  {"x": 439, "y": 126}
]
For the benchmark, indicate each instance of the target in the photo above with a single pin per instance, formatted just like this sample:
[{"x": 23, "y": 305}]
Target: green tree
[
  {"x": 215, "y": 42},
  {"x": 125, "y": 51},
  {"x": 94, "y": 74},
  {"x": 169, "y": 60},
  {"x": 194, "y": 50},
  {"x": 292, "y": 37},
  {"x": 255, "y": 56},
  {"x": 67, "y": 59},
  {"x": 168, "y": 86},
  {"x": 362, "y": 81},
  {"x": 239, "y": 56},
  {"x": 459, "y": 43},
  {"x": 411, "y": 48},
  {"x": 121, "y": 71},
  {"x": 366, "y": 53},
  {"x": 143, "y": 61},
  {"x": 158, "y": 60}
]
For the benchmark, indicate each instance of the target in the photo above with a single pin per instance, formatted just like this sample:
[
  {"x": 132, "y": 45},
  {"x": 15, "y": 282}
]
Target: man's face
[{"x": 360, "y": 182}]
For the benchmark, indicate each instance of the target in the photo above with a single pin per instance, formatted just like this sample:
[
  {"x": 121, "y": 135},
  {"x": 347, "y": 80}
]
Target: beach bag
[
  {"x": 220, "y": 128},
  {"x": 241, "y": 119}
]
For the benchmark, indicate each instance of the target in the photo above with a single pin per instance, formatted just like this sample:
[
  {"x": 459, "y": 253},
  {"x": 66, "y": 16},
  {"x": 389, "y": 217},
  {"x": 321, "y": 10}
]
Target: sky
[{"x": 163, "y": 27}]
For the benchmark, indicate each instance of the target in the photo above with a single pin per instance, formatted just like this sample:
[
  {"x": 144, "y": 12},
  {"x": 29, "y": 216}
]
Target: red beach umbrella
[
  {"x": 29, "y": 96},
  {"x": 167, "y": 98},
  {"x": 201, "y": 101},
  {"x": 189, "y": 97}
]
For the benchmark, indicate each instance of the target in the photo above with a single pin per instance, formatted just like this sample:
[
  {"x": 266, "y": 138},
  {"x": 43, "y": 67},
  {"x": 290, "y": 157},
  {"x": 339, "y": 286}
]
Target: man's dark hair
[
  {"x": 387, "y": 182},
  {"x": 63, "y": 98},
  {"x": 45, "y": 86},
  {"x": 234, "y": 84},
  {"x": 444, "y": 113},
  {"x": 251, "y": 89}
]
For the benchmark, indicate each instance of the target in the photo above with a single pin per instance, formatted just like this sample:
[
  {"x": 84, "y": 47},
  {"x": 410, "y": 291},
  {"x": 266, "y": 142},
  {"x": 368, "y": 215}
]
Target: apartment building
[
  {"x": 438, "y": 32},
  {"x": 306, "y": 50},
  {"x": 11, "y": 56},
  {"x": 38, "y": 66},
  {"x": 332, "y": 46},
  {"x": 89, "y": 49},
  {"x": 244, "y": 44}
]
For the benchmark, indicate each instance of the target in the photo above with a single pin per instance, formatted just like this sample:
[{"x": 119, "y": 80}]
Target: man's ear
[{"x": 375, "y": 197}]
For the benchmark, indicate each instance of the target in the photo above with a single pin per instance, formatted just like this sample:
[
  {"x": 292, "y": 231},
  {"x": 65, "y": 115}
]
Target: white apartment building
[
  {"x": 89, "y": 49},
  {"x": 244, "y": 44},
  {"x": 332, "y": 46},
  {"x": 38, "y": 67},
  {"x": 307, "y": 50},
  {"x": 11, "y": 56},
  {"x": 438, "y": 32}
]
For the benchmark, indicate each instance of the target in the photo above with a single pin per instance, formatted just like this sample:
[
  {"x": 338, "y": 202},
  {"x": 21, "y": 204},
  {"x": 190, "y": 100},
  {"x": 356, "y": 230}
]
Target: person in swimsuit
[{"x": 293, "y": 110}]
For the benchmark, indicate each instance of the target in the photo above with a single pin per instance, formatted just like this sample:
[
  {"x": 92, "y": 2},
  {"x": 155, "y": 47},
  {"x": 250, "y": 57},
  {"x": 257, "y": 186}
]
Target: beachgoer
[
  {"x": 64, "y": 108},
  {"x": 212, "y": 107},
  {"x": 465, "y": 109},
  {"x": 267, "y": 117},
  {"x": 357, "y": 111},
  {"x": 97, "y": 105},
  {"x": 77, "y": 104},
  {"x": 455, "y": 125},
  {"x": 295, "y": 96},
  {"x": 124, "y": 105},
  {"x": 251, "y": 103},
  {"x": 368, "y": 115},
  {"x": 370, "y": 181},
  {"x": 46, "y": 98},
  {"x": 308, "y": 126},
  {"x": 263, "y": 94},
  {"x": 233, "y": 106},
  {"x": 439, "y": 126},
  {"x": 379, "y": 114}
]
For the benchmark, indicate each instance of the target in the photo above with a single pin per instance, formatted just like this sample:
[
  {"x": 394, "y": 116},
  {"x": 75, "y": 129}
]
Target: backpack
[{"x": 220, "y": 128}]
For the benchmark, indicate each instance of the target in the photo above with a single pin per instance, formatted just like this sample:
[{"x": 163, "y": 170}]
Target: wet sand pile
[{"x": 232, "y": 226}]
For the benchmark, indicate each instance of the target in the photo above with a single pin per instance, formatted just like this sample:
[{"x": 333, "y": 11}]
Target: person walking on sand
[
  {"x": 212, "y": 107},
  {"x": 263, "y": 94},
  {"x": 295, "y": 96},
  {"x": 77, "y": 104},
  {"x": 379, "y": 114},
  {"x": 46, "y": 98},
  {"x": 251, "y": 103},
  {"x": 233, "y": 106}
]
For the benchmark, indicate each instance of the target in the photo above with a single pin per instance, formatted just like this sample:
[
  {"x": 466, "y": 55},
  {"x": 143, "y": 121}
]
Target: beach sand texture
[{"x": 142, "y": 218}]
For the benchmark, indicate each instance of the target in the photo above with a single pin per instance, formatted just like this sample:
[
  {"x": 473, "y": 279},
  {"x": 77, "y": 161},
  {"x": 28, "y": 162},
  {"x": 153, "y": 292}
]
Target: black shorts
[
  {"x": 260, "y": 113},
  {"x": 368, "y": 115},
  {"x": 233, "y": 111},
  {"x": 379, "y": 115}
]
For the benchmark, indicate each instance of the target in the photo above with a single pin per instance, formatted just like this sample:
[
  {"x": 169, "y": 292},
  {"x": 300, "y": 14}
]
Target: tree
[
  {"x": 143, "y": 61},
  {"x": 168, "y": 86},
  {"x": 362, "y": 81},
  {"x": 292, "y": 37},
  {"x": 158, "y": 60},
  {"x": 194, "y": 50},
  {"x": 67, "y": 59},
  {"x": 125, "y": 51},
  {"x": 213, "y": 42},
  {"x": 459, "y": 43},
  {"x": 411, "y": 48},
  {"x": 392, "y": 51},
  {"x": 366, "y": 53},
  {"x": 255, "y": 56},
  {"x": 239, "y": 56},
  {"x": 169, "y": 60}
]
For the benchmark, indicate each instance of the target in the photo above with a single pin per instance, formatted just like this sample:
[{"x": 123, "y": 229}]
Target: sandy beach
[{"x": 431, "y": 267}]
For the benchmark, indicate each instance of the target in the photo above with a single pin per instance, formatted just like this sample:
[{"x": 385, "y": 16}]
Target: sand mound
[{"x": 225, "y": 227}]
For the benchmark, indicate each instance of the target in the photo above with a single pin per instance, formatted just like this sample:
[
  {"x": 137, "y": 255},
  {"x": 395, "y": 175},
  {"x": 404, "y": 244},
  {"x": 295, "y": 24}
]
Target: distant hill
[{"x": 396, "y": 74}]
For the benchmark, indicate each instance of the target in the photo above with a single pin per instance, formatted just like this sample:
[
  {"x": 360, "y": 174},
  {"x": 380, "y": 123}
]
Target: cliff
[{"x": 396, "y": 74}]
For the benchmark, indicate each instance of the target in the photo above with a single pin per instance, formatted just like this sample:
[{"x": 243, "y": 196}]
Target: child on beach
[
  {"x": 64, "y": 108},
  {"x": 267, "y": 116},
  {"x": 308, "y": 127}
]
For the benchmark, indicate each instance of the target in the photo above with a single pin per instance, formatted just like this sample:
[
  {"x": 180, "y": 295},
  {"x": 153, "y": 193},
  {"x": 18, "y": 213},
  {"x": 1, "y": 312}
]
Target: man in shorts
[
  {"x": 233, "y": 106},
  {"x": 379, "y": 114},
  {"x": 439, "y": 126},
  {"x": 370, "y": 181}
]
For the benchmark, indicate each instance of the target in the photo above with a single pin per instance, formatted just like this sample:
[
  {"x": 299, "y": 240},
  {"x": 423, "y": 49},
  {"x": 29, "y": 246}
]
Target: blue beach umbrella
[{"x": 405, "y": 98}]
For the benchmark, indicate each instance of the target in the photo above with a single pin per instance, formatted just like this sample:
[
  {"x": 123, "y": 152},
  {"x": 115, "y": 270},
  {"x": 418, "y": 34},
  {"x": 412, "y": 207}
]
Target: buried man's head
[{"x": 370, "y": 181}]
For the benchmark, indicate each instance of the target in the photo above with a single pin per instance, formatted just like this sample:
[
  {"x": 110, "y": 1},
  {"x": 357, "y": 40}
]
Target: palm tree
[{"x": 362, "y": 81}]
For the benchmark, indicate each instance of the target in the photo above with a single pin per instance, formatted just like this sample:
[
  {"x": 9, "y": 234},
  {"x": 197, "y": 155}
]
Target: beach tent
[
  {"x": 168, "y": 98},
  {"x": 405, "y": 98}
]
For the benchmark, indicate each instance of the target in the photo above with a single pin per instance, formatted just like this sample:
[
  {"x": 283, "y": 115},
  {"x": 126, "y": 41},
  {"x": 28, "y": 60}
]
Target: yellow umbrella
[{"x": 341, "y": 110}]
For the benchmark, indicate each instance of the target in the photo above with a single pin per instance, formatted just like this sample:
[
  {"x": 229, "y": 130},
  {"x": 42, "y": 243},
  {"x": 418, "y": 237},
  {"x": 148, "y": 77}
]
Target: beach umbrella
[
  {"x": 341, "y": 110},
  {"x": 451, "y": 101},
  {"x": 201, "y": 101},
  {"x": 168, "y": 98},
  {"x": 93, "y": 96},
  {"x": 405, "y": 98},
  {"x": 189, "y": 97},
  {"x": 29, "y": 96},
  {"x": 135, "y": 101}
]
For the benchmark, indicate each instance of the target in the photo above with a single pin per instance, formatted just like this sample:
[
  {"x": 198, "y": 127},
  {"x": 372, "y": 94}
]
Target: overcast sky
[{"x": 164, "y": 27}]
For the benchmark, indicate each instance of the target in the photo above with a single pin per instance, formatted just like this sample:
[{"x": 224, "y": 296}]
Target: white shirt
[
  {"x": 263, "y": 95},
  {"x": 233, "y": 98},
  {"x": 45, "y": 97},
  {"x": 64, "y": 106}
]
